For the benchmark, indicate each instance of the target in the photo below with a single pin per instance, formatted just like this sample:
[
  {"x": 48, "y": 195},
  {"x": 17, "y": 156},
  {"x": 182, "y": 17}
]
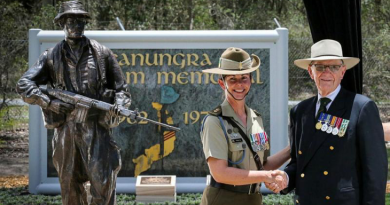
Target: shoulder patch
[
  {"x": 257, "y": 113},
  {"x": 216, "y": 111}
]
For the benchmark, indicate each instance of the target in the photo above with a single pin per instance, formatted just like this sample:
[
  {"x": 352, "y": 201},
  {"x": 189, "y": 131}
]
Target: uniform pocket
[
  {"x": 236, "y": 147},
  {"x": 236, "y": 152}
]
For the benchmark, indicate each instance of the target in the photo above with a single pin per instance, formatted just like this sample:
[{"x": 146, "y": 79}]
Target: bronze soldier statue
[{"x": 83, "y": 147}]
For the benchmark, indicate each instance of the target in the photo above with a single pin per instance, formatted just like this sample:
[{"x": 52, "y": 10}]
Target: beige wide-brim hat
[
  {"x": 326, "y": 50},
  {"x": 71, "y": 8},
  {"x": 235, "y": 61}
]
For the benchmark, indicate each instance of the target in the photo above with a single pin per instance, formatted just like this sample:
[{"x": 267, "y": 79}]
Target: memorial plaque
[
  {"x": 155, "y": 180},
  {"x": 155, "y": 188}
]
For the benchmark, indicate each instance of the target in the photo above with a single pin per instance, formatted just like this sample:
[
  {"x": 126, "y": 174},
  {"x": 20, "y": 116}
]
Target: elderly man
[
  {"x": 338, "y": 154},
  {"x": 83, "y": 148}
]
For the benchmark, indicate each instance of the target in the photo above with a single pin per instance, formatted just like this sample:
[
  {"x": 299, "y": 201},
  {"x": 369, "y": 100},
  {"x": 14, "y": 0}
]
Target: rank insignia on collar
[{"x": 216, "y": 111}]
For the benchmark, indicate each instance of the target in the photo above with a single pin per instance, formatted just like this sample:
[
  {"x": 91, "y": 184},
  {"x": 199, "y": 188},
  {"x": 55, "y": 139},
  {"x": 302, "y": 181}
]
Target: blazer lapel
[
  {"x": 308, "y": 129},
  {"x": 337, "y": 108}
]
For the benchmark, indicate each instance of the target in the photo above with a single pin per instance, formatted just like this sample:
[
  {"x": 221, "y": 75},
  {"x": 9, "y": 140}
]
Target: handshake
[{"x": 277, "y": 180}]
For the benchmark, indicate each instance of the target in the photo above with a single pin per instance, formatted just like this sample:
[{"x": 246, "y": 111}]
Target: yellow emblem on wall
[{"x": 145, "y": 161}]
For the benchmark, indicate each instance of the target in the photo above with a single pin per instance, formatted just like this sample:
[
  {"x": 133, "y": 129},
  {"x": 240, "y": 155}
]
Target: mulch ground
[{"x": 13, "y": 181}]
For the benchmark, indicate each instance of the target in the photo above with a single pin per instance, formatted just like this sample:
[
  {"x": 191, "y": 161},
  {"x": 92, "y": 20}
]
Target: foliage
[
  {"x": 13, "y": 54},
  {"x": 12, "y": 117},
  {"x": 376, "y": 44},
  {"x": 44, "y": 19},
  {"x": 275, "y": 199},
  {"x": 20, "y": 196},
  {"x": 19, "y": 16}
]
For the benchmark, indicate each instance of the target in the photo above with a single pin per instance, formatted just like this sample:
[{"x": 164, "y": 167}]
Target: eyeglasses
[{"x": 332, "y": 68}]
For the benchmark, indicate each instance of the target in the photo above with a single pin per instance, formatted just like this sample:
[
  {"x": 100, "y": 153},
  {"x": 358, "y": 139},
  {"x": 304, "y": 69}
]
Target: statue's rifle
[{"x": 83, "y": 101}]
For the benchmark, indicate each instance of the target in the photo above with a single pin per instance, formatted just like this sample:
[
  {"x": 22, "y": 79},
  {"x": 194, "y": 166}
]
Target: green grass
[
  {"x": 387, "y": 199},
  {"x": 388, "y": 167},
  {"x": 20, "y": 196}
]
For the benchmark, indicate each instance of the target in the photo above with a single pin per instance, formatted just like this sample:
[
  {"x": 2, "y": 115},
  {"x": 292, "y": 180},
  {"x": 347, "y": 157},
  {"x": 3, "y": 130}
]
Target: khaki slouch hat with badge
[{"x": 235, "y": 61}]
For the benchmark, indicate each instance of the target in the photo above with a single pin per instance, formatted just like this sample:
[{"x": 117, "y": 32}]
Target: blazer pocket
[
  {"x": 348, "y": 196},
  {"x": 347, "y": 189}
]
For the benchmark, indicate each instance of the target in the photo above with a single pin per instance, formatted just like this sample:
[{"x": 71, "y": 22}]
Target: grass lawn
[
  {"x": 20, "y": 196},
  {"x": 387, "y": 199}
]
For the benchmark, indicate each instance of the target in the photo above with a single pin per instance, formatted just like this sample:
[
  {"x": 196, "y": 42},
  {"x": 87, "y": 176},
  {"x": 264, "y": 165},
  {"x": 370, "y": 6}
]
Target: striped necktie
[{"x": 323, "y": 103}]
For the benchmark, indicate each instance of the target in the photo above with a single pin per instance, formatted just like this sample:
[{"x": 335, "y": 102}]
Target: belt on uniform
[{"x": 249, "y": 189}]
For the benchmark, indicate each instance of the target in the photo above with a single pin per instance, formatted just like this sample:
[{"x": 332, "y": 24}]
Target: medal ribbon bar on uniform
[
  {"x": 258, "y": 138},
  {"x": 262, "y": 137},
  {"x": 253, "y": 138},
  {"x": 266, "y": 137},
  {"x": 259, "y": 141}
]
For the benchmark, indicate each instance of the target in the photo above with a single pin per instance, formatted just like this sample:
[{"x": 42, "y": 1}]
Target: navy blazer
[{"x": 328, "y": 169}]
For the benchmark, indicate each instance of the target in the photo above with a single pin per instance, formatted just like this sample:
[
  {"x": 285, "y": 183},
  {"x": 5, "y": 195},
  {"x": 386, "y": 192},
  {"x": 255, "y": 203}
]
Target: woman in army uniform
[{"x": 234, "y": 139}]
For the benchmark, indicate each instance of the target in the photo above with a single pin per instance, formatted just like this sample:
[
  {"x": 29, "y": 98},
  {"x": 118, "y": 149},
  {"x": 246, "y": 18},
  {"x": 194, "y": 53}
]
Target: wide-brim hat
[
  {"x": 71, "y": 8},
  {"x": 326, "y": 50},
  {"x": 235, "y": 61}
]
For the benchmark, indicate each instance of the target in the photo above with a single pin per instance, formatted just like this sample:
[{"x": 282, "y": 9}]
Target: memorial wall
[{"x": 163, "y": 72}]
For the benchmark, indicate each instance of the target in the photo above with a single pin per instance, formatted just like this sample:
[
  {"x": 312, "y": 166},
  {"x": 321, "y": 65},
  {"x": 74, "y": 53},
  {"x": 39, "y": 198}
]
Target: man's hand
[
  {"x": 60, "y": 107},
  {"x": 277, "y": 182}
]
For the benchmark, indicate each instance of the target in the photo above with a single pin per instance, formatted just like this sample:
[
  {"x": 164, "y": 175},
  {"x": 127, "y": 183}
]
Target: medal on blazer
[
  {"x": 343, "y": 128},
  {"x": 325, "y": 125},
  {"x": 337, "y": 127},
  {"x": 320, "y": 120},
  {"x": 332, "y": 124}
]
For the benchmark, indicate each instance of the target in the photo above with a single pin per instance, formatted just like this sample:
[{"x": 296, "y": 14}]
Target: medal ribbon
[
  {"x": 338, "y": 123},
  {"x": 255, "y": 138},
  {"x": 322, "y": 116},
  {"x": 344, "y": 125},
  {"x": 333, "y": 121},
  {"x": 266, "y": 137},
  {"x": 327, "y": 118}
]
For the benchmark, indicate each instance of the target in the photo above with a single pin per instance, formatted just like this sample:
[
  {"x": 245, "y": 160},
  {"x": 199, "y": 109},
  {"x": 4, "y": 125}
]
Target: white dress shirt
[{"x": 331, "y": 96}]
